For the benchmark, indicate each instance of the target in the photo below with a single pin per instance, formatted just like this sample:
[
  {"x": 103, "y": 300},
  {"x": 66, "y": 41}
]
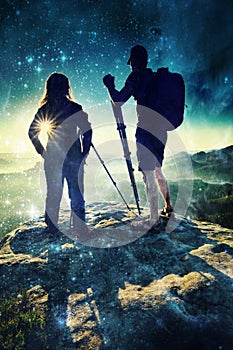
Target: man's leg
[
  {"x": 152, "y": 194},
  {"x": 163, "y": 186}
]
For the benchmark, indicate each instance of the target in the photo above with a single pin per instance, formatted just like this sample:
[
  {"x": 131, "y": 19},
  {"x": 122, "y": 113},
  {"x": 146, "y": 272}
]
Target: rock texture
[{"x": 165, "y": 290}]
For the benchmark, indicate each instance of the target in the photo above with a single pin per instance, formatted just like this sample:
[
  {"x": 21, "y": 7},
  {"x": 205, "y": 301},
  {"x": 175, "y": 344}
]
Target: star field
[{"x": 88, "y": 39}]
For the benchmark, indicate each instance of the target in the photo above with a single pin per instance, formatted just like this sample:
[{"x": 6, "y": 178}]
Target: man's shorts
[{"x": 150, "y": 149}]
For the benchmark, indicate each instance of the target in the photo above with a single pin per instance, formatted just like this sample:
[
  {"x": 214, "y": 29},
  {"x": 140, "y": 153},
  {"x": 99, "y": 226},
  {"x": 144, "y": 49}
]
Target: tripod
[{"x": 121, "y": 128}]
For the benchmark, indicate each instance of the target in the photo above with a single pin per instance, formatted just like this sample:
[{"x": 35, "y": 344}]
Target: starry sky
[{"x": 87, "y": 39}]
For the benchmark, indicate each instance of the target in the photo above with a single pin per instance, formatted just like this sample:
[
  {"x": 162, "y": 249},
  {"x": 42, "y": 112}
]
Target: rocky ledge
[{"x": 170, "y": 289}]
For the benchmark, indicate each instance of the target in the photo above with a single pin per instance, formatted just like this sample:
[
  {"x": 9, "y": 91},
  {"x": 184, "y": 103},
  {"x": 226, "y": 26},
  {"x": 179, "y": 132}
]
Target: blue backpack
[{"x": 165, "y": 93}]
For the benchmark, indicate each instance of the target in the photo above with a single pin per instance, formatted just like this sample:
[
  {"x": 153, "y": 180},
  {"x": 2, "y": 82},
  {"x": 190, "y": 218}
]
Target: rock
[{"x": 166, "y": 290}]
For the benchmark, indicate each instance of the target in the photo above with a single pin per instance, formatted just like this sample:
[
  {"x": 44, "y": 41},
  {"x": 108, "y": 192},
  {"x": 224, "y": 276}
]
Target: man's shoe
[{"x": 167, "y": 211}]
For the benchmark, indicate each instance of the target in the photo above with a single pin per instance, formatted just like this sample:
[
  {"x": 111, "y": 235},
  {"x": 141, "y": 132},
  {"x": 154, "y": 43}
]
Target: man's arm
[
  {"x": 118, "y": 96},
  {"x": 33, "y": 133}
]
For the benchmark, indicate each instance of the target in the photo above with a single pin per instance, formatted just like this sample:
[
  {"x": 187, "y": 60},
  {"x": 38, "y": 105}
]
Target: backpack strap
[{"x": 145, "y": 82}]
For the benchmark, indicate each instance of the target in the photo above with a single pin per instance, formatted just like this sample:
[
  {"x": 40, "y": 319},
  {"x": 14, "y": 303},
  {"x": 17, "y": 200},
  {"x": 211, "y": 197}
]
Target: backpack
[{"x": 166, "y": 95}]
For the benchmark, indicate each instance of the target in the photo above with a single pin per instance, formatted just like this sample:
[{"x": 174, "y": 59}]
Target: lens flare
[{"x": 46, "y": 127}]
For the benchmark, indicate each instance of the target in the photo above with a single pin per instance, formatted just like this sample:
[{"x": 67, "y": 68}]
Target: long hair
[{"x": 57, "y": 89}]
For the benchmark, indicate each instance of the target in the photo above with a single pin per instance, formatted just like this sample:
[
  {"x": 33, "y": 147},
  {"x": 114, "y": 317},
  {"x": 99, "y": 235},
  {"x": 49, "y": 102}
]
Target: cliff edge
[{"x": 163, "y": 290}]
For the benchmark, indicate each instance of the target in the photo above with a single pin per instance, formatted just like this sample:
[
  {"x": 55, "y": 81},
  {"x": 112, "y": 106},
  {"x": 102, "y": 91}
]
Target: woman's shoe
[{"x": 52, "y": 232}]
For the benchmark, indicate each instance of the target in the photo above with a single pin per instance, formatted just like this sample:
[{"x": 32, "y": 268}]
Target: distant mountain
[
  {"x": 224, "y": 155},
  {"x": 5, "y": 163},
  {"x": 16, "y": 162},
  {"x": 214, "y": 165}
]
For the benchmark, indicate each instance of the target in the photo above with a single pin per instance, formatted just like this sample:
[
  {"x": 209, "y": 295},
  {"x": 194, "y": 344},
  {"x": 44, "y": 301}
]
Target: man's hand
[{"x": 108, "y": 81}]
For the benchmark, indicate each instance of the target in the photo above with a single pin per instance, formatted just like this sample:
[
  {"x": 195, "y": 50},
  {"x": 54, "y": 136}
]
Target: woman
[{"x": 69, "y": 140}]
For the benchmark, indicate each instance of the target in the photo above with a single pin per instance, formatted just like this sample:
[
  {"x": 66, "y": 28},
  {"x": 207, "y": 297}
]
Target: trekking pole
[
  {"x": 110, "y": 176},
  {"x": 121, "y": 128}
]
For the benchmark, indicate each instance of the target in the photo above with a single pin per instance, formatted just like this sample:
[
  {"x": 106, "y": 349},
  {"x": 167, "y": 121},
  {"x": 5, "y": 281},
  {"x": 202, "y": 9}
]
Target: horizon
[
  {"x": 191, "y": 136},
  {"x": 33, "y": 154},
  {"x": 21, "y": 162}
]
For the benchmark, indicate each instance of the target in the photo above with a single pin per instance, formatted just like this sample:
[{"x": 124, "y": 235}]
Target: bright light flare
[{"x": 46, "y": 127}]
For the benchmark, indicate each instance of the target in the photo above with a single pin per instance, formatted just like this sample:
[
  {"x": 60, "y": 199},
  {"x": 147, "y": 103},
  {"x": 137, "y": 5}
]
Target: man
[{"x": 151, "y": 137}]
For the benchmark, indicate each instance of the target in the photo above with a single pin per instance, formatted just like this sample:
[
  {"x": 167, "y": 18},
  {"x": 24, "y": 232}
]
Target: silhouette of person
[
  {"x": 69, "y": 140},
  {"x": 150, "y": 145}
]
